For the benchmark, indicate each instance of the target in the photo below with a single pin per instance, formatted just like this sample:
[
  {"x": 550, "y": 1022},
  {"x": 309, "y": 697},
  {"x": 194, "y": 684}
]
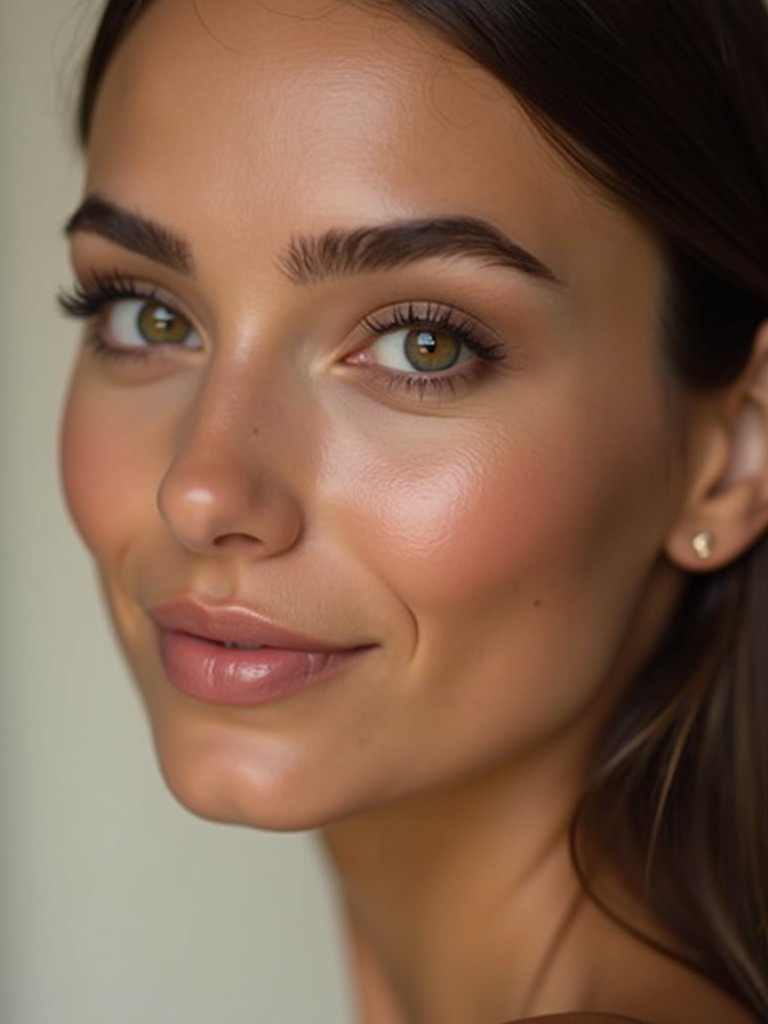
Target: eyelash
[
  {"x": 88, "y": 302},
  {"x": 433, "y": 317}
]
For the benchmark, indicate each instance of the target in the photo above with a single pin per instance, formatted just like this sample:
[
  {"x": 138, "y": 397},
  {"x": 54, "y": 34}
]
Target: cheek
[
  {"x": 109, "y": 467},
  {"x": 458, "y": 527},
  {"x": 472, "y": 522},
  {"x": 555, "y": 514}
]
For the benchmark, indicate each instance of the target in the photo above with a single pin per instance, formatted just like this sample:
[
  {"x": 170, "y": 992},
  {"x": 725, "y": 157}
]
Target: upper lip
[{"x": 234, "y": 624}]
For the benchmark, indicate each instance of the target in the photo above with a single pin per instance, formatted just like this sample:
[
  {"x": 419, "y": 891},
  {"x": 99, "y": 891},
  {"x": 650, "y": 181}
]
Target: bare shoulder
[
  {"x": 614, "y": 1018},
  {"x": 580, "y": 1018}
]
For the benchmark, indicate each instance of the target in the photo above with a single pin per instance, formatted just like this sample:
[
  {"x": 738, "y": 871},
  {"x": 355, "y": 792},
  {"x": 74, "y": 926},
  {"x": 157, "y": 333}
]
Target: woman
[{"x": 420, "y": 436}]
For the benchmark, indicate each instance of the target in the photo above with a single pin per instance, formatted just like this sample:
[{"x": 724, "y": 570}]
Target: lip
[
  {"x": 192, "y": 640},
  {"x": 232, "y": 624}
]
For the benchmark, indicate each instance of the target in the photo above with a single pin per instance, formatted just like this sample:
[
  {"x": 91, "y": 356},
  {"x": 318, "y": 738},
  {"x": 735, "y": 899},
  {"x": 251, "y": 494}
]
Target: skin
[{"x": 499, "y": 545}]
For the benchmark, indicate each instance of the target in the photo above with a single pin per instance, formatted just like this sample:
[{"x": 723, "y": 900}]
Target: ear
[{"x": 726, "y": 507}]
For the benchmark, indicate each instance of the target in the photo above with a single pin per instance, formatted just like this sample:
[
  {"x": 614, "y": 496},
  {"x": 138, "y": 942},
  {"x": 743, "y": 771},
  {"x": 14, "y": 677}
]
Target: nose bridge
[{"x": 231, "y": 479}]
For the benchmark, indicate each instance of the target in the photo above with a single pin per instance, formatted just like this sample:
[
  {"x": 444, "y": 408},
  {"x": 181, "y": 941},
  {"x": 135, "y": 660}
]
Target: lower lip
[{"x": 222, "y": 675}]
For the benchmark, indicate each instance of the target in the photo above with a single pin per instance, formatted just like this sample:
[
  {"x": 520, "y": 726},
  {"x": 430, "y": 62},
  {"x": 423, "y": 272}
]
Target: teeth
[{"x": 243, "y": 647}]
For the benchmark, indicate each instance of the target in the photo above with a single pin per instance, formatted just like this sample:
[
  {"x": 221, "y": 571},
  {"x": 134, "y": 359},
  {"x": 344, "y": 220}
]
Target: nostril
[{"x": 228, "y": 539}]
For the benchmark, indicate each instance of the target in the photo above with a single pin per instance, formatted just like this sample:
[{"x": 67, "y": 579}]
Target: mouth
[
  {"x": 235, "y": 627},
  {"x": 234, "y": 655}
]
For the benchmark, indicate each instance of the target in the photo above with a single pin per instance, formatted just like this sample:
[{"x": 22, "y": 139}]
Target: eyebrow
[
  {"x": 133, "y": 232},
  {"x": 335, "y": 253},
  {"x": 310, "y": 260}
]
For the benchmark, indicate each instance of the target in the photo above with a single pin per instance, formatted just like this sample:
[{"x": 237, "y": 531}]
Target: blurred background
[{"x": 116, "y": 906}]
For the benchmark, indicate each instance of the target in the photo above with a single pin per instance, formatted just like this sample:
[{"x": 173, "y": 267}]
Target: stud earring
[{"x": 703, "y": 544}]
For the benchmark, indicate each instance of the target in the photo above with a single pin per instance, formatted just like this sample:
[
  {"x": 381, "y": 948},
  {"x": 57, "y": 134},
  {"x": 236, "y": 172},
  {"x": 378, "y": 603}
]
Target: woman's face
[{"x": 369, "y": 437}]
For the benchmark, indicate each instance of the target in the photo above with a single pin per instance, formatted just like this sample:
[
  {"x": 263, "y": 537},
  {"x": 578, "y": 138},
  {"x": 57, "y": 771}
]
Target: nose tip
[{"x": 214, "y": 505}]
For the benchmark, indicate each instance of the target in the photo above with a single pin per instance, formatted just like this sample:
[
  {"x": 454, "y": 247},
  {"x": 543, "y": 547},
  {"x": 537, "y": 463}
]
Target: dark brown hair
[{"x": 664, "y": 105}]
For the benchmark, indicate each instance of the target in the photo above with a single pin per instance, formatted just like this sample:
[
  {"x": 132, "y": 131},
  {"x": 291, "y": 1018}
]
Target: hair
[{"x": 664, "y": 106}]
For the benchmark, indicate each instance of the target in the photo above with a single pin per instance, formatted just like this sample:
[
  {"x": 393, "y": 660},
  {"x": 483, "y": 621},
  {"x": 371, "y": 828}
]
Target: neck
[
  {"x": 463, "y": 904},
  {"x": 458, "y": 903}
]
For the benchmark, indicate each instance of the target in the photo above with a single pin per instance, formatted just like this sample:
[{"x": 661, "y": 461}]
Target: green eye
[{"x": 430, "y": 350}]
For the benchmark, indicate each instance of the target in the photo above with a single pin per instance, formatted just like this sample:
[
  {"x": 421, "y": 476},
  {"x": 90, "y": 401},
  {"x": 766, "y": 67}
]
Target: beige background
[{"x": 116, "y": 907}]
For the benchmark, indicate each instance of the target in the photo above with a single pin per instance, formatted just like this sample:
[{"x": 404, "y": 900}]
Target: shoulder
[{"x": 580, "y": 1018}]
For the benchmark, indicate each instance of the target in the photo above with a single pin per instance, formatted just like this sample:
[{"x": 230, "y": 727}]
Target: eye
[
  {"x": 426, "y": 349},
  {"x": 423, "y": 349},
  {"x": 138, "y": 323},
  {"x": 128, "y": 318}
]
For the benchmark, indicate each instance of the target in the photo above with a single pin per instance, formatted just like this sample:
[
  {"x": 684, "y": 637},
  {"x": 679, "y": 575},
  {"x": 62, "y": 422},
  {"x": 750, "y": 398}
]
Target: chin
[{"x": 239, "y": 781}]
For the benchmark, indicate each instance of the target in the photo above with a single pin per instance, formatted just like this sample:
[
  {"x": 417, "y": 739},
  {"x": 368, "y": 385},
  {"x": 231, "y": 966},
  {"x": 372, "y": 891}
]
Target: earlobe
[{"x": 726, "y": 508}]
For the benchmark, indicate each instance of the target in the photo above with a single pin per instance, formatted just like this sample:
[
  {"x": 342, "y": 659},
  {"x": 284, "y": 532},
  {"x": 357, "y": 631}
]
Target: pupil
[
  {"x": 427, "y": 342},
  {"x": 163, "y": 319},
  {"x": 428, "y": 350},
  {"x": 158, "y": 324}
]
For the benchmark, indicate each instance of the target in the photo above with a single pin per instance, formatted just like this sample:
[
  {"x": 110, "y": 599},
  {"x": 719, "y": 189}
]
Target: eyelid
[
  {"x": 101, "y": 289},
  {"x": 473, "y": 332},
  {"x": 97, "y": 298},
  {"x": 412, "y": 389}
]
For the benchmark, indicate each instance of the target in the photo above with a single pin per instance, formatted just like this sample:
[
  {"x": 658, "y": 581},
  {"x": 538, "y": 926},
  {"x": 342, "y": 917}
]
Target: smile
[{"x": 236, "y": 656}]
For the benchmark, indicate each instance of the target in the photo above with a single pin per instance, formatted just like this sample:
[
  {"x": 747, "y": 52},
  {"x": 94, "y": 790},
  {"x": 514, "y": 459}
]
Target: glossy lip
[
  {"x": 271, "y": 662},
  {"x": 233, "y": 624}
]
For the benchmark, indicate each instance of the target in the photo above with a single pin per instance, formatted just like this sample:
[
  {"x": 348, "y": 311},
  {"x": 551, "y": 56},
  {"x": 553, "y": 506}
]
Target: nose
[{"x": 225, "y": 489}]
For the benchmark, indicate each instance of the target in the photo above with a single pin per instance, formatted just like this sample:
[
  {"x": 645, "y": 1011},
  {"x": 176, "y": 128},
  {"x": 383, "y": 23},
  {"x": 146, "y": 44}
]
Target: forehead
[
  {"x": 314, "y": 113},
  {"x": 309, "y": 80}
]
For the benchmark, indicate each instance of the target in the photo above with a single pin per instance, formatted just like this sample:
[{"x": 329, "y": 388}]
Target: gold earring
[{"x": 703, "y": 544}]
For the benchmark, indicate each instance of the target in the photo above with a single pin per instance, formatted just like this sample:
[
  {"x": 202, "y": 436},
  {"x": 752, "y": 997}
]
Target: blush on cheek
[
  {"x": 458, "y": 526},
  {"x": 503, "y": 515},
  {"x": 106, "y": 475}
]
